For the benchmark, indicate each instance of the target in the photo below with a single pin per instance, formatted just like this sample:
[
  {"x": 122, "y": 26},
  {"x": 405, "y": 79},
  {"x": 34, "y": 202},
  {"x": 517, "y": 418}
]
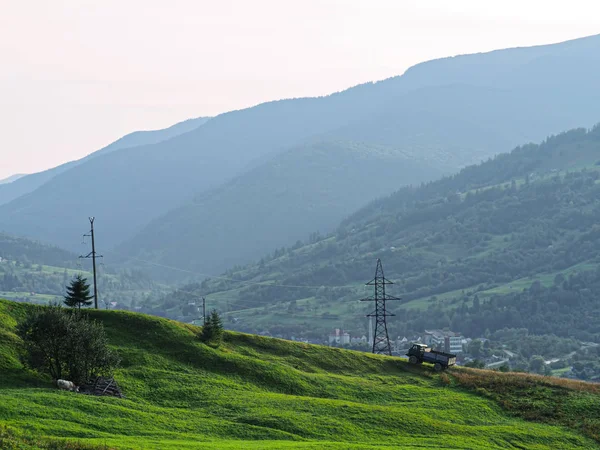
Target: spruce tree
[
  {"x": 78, "y": 293},
  {"x": 212, "y": 332}
]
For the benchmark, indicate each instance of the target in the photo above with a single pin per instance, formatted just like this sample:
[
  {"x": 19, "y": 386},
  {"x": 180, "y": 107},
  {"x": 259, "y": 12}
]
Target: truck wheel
[
  {"x": 438, "y": 367},
  {"x": 412, "y": 360}
]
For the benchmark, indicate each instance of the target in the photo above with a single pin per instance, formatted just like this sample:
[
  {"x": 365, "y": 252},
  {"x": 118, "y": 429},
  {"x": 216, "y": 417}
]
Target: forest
[{"x": 510, "y": 243}]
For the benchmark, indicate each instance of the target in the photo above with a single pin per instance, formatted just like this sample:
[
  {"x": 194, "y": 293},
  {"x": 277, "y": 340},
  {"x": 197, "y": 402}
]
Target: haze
[{"x": 76, "y": 75}]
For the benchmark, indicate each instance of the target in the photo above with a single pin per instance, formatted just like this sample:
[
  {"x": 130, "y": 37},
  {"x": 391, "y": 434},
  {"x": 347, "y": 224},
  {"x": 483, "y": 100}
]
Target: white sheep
[{"x": 67, "y": 385}]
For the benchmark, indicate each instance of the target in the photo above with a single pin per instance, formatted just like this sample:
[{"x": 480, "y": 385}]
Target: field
[{"x": 255, "y": 392}]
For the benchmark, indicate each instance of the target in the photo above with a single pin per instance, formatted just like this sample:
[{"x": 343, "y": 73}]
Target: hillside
[
  {"x": 256, "y": 392},
  {"x": 516, "y": 234},
  {"x": 263, "y": 208},
  {"x": 24, "y": 184},
  {"x": 463, "y": 113},
  {"x": 13, "y": 248},
  {"x": 38, "y": 273}
]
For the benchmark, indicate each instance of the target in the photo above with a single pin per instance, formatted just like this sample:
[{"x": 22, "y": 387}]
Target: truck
[{"x": 420, "y": 353}]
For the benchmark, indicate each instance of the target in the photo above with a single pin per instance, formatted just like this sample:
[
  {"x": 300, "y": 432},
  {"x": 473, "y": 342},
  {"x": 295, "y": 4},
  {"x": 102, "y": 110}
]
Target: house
[{"x": 358, "y": 340}]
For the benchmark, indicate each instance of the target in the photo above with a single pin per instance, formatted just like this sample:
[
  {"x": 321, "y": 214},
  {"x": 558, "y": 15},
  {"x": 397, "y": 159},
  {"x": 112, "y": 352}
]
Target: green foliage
[
  {"x": 476, "y": 363},
  {"x": 27, "y": 274},
  {"x": 78, "y": 293},
  {"x": 13, "y": 248},
  {"x": 475, "y": 348},
  {"x": 66, "y": 344},
  {"x": 212, "y": 331},
  {"x": 536, "y": 364},
  {"x": 475, "y": 251}
]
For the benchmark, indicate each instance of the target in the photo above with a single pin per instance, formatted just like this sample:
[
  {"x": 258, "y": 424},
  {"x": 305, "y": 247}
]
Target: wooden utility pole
[{"x": 93, "y": 256}]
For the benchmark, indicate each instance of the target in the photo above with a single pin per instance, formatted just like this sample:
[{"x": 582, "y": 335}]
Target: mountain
[
  {"x": 13, "y": 248},
  {"x": 510, "y": 243},
  {"x": 440, "y": 115},
  {"x": 257, "y": 392},
  {"x": 12, "y": 178},
  {"x": 436, "y": 124},
  {"x": 265, "y": 207},
  {"x": 25, "y": 184}
]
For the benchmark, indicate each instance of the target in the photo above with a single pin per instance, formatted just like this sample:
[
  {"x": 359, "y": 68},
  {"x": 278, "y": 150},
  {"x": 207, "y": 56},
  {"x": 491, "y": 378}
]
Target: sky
[{"x": 75, "y": 75}]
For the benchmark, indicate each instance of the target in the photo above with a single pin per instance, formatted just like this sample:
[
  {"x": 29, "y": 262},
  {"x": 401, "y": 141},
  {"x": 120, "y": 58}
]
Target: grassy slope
[{"x": 277, "y": 394}]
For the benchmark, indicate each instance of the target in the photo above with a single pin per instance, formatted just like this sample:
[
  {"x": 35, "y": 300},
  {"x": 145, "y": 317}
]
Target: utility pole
[
  {"x": 93, "y": 255},
  {"x": 381, "y": 341},
  {"x": 204, "y": 310}
]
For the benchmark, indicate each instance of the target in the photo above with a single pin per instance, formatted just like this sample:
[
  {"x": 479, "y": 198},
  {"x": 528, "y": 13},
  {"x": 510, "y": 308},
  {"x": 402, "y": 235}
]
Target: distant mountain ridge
[
  {"x": 441, "y": 116},
  {"x": 12, "y": 178},
  {"x": 25, "y": 184}
]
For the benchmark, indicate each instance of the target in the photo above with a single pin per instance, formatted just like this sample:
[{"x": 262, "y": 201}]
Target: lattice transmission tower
[{"x": 381, "y": 341}]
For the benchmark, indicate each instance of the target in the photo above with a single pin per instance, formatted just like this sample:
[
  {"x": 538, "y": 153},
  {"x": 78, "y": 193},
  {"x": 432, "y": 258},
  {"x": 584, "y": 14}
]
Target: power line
[
  {"x": 93, "y": 256},
  {"x": 381, "y": 340}
]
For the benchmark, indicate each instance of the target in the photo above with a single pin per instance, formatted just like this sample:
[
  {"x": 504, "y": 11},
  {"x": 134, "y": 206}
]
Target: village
[{"x": 477, "y": 352}]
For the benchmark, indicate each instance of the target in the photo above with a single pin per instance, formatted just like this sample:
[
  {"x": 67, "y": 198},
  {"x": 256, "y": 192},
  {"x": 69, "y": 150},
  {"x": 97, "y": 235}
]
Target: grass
[{"x": 257, "y": 392}]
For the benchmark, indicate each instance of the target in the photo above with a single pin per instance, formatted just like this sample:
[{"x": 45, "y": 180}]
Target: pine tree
[
  {"x": 78, "y": 293},
  {"x": 212, "y": 332}
]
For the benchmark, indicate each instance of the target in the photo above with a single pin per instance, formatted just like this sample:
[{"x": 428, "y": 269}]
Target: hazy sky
[{"x": 77, "y": 74}]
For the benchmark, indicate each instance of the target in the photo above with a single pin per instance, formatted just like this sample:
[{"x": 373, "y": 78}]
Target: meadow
[{"x": 256, "y": 392}]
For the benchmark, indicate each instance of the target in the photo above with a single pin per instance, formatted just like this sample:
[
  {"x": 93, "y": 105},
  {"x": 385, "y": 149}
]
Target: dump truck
[{"x": 420, "y": 353}]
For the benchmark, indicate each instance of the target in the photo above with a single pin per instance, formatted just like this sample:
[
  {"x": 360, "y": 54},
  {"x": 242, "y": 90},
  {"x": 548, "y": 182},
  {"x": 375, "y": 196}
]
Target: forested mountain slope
[
  {"x": 33, "y": 272},
  {"x": 448, "y": 113},
  {"x": 28, "y": 183},
  {"x": 273, "y": 205},
  {"x": 259, "y": 393},
  {"x": 462, "y": 248},
  {"x": 12, "y": 248}
]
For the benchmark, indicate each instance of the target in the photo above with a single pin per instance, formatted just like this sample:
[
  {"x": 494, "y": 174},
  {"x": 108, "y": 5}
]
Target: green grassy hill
[{"x": 256, "y": 392}]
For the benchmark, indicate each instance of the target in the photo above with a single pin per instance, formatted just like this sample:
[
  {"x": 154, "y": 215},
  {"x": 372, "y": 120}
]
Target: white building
[
  {"x": 449, "y": 341},
  {"x": 339, "y": 337},
  {"x": 345, "y": 340}
]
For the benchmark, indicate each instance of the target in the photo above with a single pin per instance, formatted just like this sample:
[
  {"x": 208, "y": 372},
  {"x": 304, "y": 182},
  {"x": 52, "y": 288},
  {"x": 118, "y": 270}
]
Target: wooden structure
[{"x": 102, "y": 386}]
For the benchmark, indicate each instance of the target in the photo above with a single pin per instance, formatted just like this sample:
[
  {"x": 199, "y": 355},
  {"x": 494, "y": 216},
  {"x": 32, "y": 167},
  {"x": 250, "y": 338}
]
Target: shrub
[{"x": 66, "y": 344}]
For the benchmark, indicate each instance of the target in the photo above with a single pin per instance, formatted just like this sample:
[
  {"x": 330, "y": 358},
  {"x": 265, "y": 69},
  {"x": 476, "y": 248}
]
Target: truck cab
[{"x": 417, "y": 350}]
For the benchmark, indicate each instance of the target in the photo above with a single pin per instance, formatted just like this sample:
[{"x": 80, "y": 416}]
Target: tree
[
  {"x": 78, "y": 293},
  {"x": 474, "y": 348},
  {"x": 212, "y": 332},
  {"x": 477, "y": 364},
  {"x": 536, "y": 364},
  {"x": 66, "y": 344}
]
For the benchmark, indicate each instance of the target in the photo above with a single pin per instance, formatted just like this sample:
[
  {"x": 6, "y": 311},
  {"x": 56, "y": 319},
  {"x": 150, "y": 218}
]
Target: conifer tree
[
  {"x": 212, "y": 332},
  {"x": 78, "y": 293}
]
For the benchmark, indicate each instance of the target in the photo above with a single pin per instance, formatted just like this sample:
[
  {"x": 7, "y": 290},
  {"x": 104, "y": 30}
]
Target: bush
[
  {"x": 66, "y": 345},
  {"x": 477, "y": 364}
]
